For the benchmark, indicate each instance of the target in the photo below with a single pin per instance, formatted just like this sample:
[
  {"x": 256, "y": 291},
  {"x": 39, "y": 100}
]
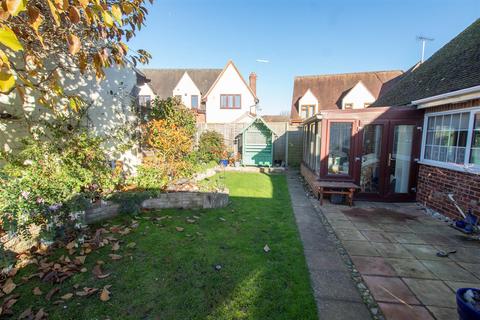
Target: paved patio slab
[
  {"x": 397, "y": 258},
  {"x": 444, "y": 313},
  {"x": 432, "y": 292},
  {"x": 390, "y": 289},
  {"x": 335, "y": 292},
  {"x": 404, "y": 312}
]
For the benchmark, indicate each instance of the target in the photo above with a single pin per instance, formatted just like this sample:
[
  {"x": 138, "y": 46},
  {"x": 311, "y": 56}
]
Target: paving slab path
[{"x": 335, "y": 291}]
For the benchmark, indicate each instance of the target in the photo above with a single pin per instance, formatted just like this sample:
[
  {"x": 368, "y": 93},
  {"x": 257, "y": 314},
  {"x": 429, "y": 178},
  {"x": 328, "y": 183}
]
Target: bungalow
[
  {"x": 217, "y": 95},
  {"x": 447, "y": 89},
  {"x": 418, "y": 140}
]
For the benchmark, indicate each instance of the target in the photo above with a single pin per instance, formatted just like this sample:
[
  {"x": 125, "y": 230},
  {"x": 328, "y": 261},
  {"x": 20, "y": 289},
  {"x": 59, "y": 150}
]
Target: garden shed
[{"x": 256, "y": 144}]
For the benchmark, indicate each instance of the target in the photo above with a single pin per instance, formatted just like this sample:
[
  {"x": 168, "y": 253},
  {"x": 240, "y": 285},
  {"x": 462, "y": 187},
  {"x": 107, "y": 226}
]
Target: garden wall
[{"x": 188, "y": 200}]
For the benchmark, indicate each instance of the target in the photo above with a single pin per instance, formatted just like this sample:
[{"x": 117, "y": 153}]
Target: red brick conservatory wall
[{"x": 434, "y": 185}]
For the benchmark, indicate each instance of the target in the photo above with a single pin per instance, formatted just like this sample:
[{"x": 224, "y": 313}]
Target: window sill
[{"x": 472, "y": 169}]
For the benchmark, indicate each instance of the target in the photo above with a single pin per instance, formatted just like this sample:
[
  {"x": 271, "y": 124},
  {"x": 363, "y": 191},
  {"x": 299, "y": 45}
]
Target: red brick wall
[
  {"x": 434, "y": 185},
  {"x": 309, "y": 176}
]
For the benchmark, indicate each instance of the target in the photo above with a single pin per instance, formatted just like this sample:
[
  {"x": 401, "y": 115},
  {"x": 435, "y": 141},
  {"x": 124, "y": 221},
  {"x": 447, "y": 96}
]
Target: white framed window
[
  {"x": 306, "y": 111},
  {"x": 451, "y": 139},
  {"x": 194, "y": 101}
]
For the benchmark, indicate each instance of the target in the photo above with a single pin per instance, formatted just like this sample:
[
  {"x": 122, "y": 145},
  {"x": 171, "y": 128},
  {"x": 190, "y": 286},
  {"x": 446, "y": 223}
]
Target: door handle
[{"x": 389, "y": 158}]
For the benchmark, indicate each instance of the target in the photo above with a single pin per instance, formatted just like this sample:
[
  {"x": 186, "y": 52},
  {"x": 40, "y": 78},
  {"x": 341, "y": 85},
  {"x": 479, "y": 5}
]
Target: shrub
[
  {"x": 211, "y": 146},
  {"x": 170, "y": 141},
  {"x": 49, "y": 180},
  {"x": 174, "y": 113}
]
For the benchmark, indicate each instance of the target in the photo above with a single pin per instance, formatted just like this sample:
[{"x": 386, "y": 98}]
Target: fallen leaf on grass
[
  {"x": 191, "y": 221},
  {"x": 9, "y": 286},
  {"x": 266, "y": 248},
  {"x": 80, "y": 259},
  {"x": 40, "y": 315},
  {"x": 115, "y": 256},
  {"x": 27, "y": 314},
  {"x": 86, "y": 292},
  {"x": 12, "y": 272},
  {"x": 67, "y": 296},
  {"x": 37, "y": 291},
  {"x": 71, "y": 245},
  {"x": 97, "y": 272},
  {"x": 115, "y": 246},
  {"x": 131, "y": 245},
  {"x": 179, "y": 229},
  {"x": 83, "y": 270},
  {"x": 49, "y": 295},
  {"x": 105, "y": 294},
  {"x": 124, "y": 231},
  {"x": 9, "y": 303},
  {"x": 223, "y": 219}
]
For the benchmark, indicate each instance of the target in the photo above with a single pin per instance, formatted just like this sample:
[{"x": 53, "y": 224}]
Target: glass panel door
[
  {"x": 339, "y": 156},
  {"x": 371, "y": 169},
  {"x": 400, "y": 159}
]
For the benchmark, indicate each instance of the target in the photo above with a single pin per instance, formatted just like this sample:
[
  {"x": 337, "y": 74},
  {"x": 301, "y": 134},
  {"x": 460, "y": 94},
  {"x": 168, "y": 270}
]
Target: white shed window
[{"x": 452, "y": 138}]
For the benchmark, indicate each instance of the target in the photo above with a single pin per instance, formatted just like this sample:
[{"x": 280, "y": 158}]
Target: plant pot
[{"x": 465, "y": 310}]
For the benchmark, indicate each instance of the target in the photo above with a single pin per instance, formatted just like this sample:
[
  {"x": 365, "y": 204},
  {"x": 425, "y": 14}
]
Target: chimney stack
[{"x": 253, "y": 82}]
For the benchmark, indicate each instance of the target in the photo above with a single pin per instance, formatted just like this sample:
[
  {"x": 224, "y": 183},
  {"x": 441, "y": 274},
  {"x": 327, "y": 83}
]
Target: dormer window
[
  {"x": 348, "y": 106},
  {"x": 306, "y": 111}
]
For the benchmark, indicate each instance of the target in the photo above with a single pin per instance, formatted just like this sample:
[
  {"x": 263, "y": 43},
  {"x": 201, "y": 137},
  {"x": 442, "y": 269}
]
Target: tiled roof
[
  {"x": 163, "y": 81},
  {"x": 330, "y": 88}
]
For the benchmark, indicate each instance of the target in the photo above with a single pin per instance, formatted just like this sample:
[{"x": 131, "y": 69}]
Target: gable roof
[
  {"x": 257, "y": 119},
  {"x": 454, "y": 67},
  {"x": 355, "y": 87},
  {"x": 230, "y": 62},
  {"x": 163, "y": 81},
  {"x": 331, "y": 88}
]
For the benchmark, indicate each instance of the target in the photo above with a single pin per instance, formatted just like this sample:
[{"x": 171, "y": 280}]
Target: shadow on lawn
[{"x": 172, "y": 275}]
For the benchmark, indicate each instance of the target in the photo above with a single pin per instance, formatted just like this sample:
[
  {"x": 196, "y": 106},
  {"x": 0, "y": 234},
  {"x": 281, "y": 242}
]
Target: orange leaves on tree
[{"x": 51, "y": 28}]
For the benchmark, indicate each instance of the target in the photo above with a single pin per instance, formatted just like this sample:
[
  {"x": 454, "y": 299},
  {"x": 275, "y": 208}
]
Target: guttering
[
  {"x": 453, "y": 96},
  {"x": 313, "y": 118}
]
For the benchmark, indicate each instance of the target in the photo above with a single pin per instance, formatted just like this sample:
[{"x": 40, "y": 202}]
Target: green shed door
[{"x": 257, "y": 146}]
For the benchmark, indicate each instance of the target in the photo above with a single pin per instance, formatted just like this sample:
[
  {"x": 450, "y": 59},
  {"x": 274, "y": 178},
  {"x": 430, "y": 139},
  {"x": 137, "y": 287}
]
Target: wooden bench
[{"x": 335, "y": 187}]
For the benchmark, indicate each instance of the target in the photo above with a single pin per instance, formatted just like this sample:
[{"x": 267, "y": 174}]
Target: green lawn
[{"x": 171, "y": 274}]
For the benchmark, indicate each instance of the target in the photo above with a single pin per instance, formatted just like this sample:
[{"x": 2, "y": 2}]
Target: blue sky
[{"x": 298, "y": 37}]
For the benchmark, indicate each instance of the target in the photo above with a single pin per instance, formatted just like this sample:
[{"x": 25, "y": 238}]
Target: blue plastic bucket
[
  {"x": 464, "y": 309},
  {"x": 224, "y": 163}
]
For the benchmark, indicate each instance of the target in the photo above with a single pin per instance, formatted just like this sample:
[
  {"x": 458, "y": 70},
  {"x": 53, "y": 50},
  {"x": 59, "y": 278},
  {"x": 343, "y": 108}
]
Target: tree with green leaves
[{"x": 42, "y": 40}]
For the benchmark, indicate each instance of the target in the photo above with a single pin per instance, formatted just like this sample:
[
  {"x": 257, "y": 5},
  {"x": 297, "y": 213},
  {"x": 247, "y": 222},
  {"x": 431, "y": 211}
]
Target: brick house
[
  {"x": 447, "y": 88},
  {"x": 418, "y": 140}
]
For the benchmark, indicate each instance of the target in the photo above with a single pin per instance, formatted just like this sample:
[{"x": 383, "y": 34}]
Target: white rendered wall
[
  {"x": 308, "y": 99},
  {"x": 358, "y": 96},
  {"x": 229, "y": 83},
  {"x": 110, "y": 109},
  {"x": 186, "y": 88}
]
